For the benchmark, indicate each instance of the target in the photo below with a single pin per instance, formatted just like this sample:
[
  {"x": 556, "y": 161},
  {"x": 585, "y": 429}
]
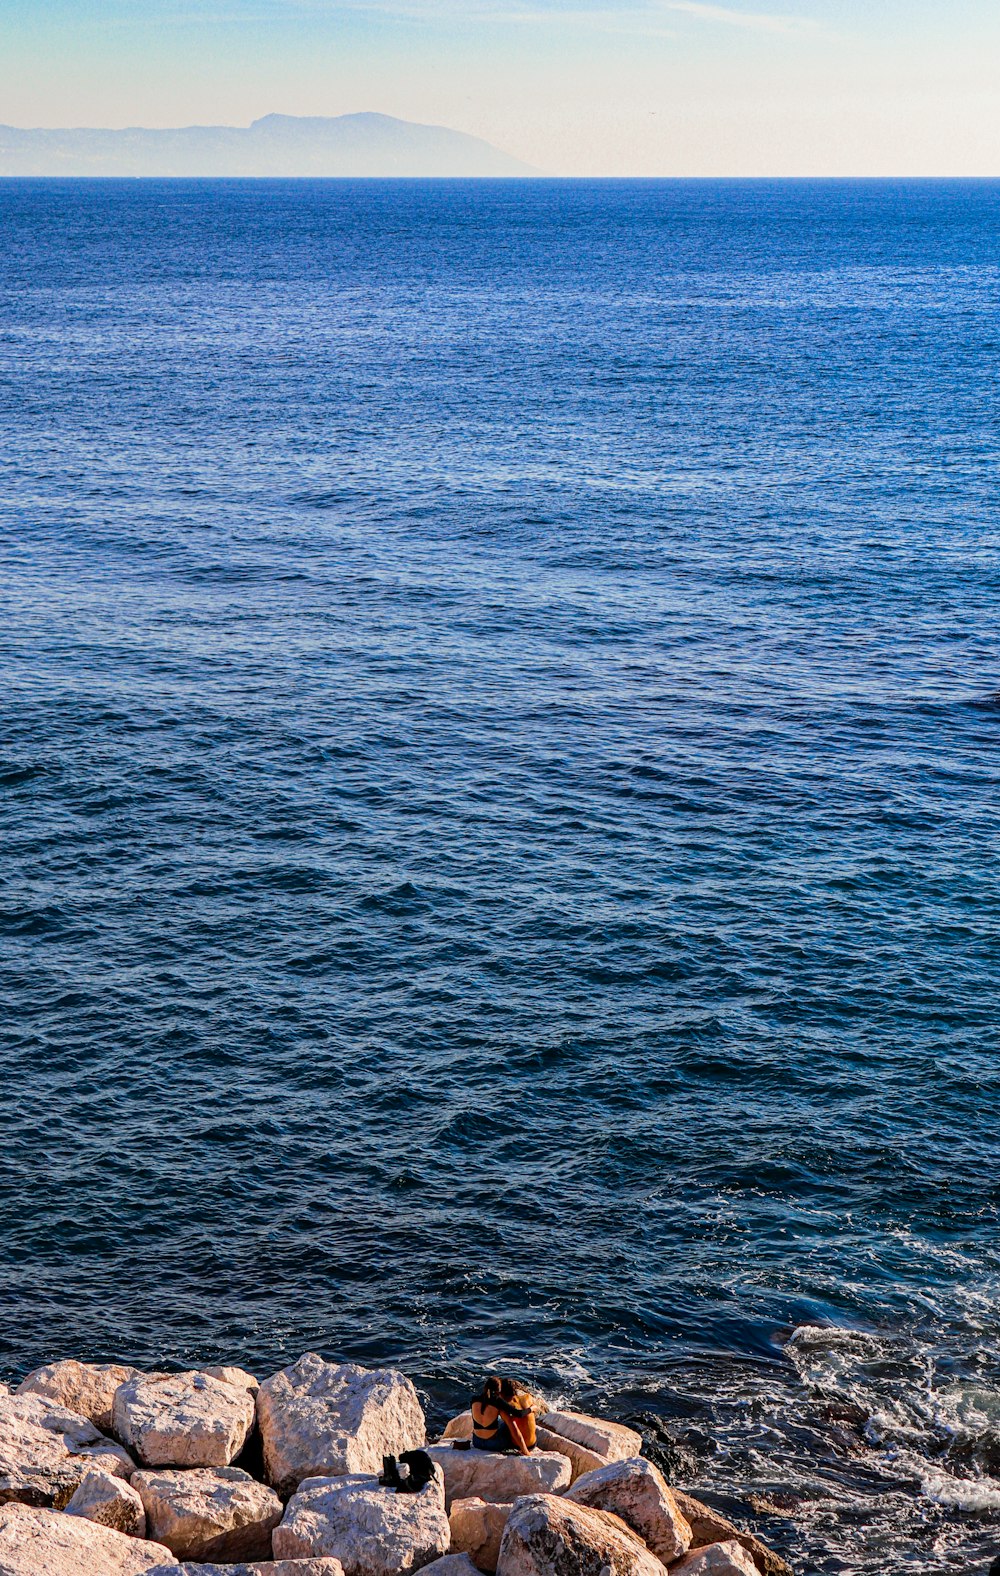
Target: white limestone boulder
[
  {"x": 637, "y": 1492},
  {"x": 107, "y": 1456},
  {"x": 610, "y": 1441},
  {"x": 75, "y": 1432},
  {"x": 580, "y": 1459},
  {"x": 477, "y": 1528},
  {"x": 87, "y": 1389},
  {"x": 111, "y": 1502},
  {"x": 709, "y": 1526},
  {"x": 459, "y": 1427},
  {"x": 451, "y": 1565},
  {"x": 483, "y": 1474},
  {"x": 717, "y": 1559},
  {"x": 40, "y": 1542},
  {"x": 550, "y": 1536},
  {"x": 182, "y": 1420},
  {"x": 320, "y": 1419},
  {"x": 209, "y": 1513},
  {"x": 372, "y": 1530},
  {"x": 45, "y": 1451},
  {"x": 234, "y": 1376},
  {"x": 324, "y": 1566},
  {"x": 319, "y": 1567}
]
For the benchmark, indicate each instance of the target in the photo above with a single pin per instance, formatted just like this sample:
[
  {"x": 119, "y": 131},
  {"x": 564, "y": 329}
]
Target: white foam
[
  {"x": 569, "y": 1367},
  {"x": 978, "y": 1494},
  {"x": 830, "y": 1336}
]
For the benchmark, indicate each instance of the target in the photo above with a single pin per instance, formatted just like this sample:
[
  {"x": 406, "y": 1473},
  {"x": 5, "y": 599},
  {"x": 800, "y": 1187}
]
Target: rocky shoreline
[{"x": 109, "y": 1471}]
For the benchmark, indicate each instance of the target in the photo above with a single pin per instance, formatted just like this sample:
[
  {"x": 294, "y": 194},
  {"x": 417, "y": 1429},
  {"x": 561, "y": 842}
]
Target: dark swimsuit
[{"x": 502, "y": 1440}]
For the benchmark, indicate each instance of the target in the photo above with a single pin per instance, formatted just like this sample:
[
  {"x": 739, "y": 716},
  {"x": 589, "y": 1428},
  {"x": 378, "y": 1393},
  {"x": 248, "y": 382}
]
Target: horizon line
[{"x": 530, "y": 177}]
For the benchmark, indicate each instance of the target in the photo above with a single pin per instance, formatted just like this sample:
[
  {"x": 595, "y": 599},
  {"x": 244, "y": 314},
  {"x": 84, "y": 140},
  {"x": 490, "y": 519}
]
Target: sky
[{"x": 576, "y": 87}]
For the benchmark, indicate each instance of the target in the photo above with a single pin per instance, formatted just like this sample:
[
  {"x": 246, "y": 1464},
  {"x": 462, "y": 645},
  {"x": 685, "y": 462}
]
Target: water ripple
[{"x": 498, "y": 783}]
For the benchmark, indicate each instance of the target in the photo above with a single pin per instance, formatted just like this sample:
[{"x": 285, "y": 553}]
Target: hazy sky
[{"x": 636, "y": 87}]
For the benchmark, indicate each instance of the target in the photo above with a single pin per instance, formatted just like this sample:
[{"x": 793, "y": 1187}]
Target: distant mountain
[{"x": 286, "y": 145}]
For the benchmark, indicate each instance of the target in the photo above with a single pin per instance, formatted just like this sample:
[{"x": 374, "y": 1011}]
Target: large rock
[
  {"x": 708, "y": 1526},
  {"x": 637, "y": 1492},
  {"x": 234, "y": 1376},
  {"x": 183, "y": 1420},
  {"x": 459, "y": 1427},
  {"x": 477, "y": 1529},
  {"x": 107, "y": 1456},
  {"x": 373, "y": 1531},
  {"x": 451, "y": 1565},
  {"x": 36, "y": 1542},
  {"x": 547, "y": 1536},
  {"x": 481, "y": 1474},
  {"x": 209, "y": 1513},
  {"x": 85, "y": 1388},
  {"x": 76, "y": 1433},
  {"x": 610, "y": 1441},
  {"x": 320, "y": 1567},
  {"x": 717, "y": 1559},
  {"x": 45, "y": 1451},
  {"x": 580, "y": 1459},
  {"x": 324, "y": 1566},
  {"x": 320, "y": 1419},
  {"x": 111, "y": 1502}
]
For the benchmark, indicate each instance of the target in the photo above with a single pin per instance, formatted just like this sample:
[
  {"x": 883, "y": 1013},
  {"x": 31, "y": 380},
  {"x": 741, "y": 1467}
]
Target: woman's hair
[{"x": 496, "y": 1389}]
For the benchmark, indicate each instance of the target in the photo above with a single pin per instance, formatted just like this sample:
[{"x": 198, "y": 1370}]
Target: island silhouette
[{"x": 275, "y": 145}]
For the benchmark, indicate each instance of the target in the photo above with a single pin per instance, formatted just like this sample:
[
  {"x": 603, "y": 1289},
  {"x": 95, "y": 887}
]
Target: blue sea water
[{"x": 501, "y": 736}]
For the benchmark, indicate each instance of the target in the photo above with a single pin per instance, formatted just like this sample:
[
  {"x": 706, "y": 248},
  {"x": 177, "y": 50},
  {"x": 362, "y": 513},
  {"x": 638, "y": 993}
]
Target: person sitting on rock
[{"x": 503, "y": 1418}]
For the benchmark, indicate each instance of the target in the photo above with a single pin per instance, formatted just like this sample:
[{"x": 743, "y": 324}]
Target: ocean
[{"x": 501, "y": 738}]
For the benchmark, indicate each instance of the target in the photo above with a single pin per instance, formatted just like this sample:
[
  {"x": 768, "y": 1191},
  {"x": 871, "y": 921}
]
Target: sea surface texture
[{"x": 500, "y": 760}]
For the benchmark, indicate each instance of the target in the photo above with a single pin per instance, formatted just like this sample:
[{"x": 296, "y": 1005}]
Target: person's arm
[{"x": 512, "y": 1419}]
